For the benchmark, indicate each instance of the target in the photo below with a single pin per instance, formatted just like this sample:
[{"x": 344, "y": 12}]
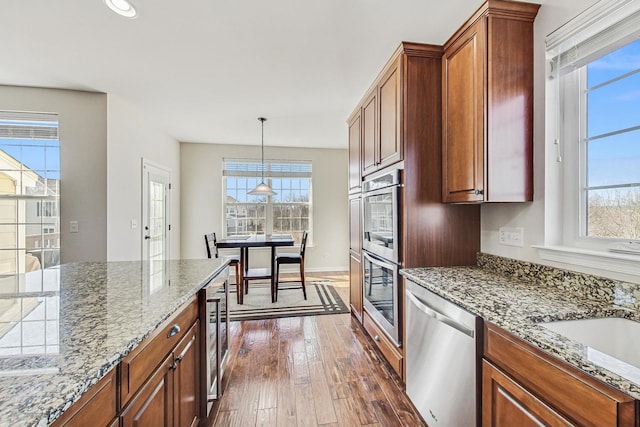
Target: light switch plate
[
  {"x": 134, "y": 224},
  {"x": 511, "y": 236},
  {"x": 73, "y": 227}
]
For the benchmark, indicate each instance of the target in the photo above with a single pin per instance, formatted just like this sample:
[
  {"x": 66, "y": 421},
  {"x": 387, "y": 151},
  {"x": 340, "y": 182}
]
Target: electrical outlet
[
  {"x": 134, "y": 224},
  {"x": 73, "y": 227},
  {"x": 511, "y": 236}
]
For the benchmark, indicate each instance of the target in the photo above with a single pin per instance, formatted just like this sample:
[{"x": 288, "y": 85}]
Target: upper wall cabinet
[
  {"x": 487, "y": 101},
  {"x": 381, "y": 140},
  {"x": 355, "y": 171}
]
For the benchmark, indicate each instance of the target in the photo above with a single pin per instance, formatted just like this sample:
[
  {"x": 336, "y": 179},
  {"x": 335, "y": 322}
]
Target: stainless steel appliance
[
  {"x": 381, "y": 215},
  {"x": 441, "y": 359},
  {"x": 214, "y": 303},
  {"x": 382, "y": 294}
]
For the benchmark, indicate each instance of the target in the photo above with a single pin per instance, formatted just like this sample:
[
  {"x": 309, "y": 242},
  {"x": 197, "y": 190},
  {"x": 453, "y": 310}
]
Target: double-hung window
[
  {"x": 593, "y": 164},
  {"x": 289, "y": 211}
]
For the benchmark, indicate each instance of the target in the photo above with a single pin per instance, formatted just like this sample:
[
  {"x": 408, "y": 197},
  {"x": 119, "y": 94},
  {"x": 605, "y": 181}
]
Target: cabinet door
[
  {"x": 186, "y": 380},
  {"x": 463, "y": 117},
  {"x": 390, "y": 140},
  {"x": 355, "y": 286},
  {"x": 506, "y": 403},
  {"x": 369, "y": 134},
  {"x": 153, "y": 405},
  {"x": 355, "y": 169},
  {"x": 355, "y": 230}
]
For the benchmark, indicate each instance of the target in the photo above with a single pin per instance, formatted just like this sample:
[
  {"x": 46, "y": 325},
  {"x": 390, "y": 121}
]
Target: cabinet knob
[
  {"x": 377, "y": 338},
  {"x": 175, "y": 330},
  {"x": 479, "y": 192},
  {"x": 174, "y": 366},
  {"x": 179, "y": 358}
]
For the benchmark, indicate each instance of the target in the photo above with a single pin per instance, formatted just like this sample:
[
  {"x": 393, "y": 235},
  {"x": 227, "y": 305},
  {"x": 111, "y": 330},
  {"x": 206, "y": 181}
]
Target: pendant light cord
[{"x": 262, "y": 119}]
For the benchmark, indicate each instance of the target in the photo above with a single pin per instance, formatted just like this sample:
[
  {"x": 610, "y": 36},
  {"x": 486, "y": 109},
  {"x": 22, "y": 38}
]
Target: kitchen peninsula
[{"x": 89, "y": 317}]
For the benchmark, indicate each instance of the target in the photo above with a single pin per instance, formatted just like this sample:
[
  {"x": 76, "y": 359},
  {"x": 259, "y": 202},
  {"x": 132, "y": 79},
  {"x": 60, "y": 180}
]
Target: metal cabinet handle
[
  {"x": 175, "y": 330},
  {"x": 479, "y": 192}
]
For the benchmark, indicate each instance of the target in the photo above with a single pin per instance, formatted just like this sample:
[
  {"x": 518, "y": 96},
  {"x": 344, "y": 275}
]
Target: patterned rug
[{"x": 322, "y": 298}]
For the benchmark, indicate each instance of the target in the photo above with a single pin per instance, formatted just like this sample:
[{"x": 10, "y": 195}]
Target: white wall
[
  {"x": 202, "y": 200},
  {"x": 83, "y": 150},
  {"x": 130, "y": 138},
  {"x": 531, "y": 216}
]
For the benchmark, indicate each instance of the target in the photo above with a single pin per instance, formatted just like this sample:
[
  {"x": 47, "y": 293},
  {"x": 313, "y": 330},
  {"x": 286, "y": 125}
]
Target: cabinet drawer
[
  {"x": 575, "y": 394},
  {"x": 97, "y": 407},
  {"x": 136, "y": 367},
  {"x": 386, "y": 347}
]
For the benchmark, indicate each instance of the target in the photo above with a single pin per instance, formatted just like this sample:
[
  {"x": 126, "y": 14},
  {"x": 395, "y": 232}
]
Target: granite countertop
[
  {"x": 518, "y": 296},
  {"x": 62, "y": 329}
]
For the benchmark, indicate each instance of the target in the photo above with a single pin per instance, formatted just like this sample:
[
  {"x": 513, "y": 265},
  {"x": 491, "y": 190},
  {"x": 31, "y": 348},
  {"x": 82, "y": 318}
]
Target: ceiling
[{"x": 204, "y": 70}]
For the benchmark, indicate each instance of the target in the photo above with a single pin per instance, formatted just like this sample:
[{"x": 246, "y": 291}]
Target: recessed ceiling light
[{"x": 122, "y": 7}]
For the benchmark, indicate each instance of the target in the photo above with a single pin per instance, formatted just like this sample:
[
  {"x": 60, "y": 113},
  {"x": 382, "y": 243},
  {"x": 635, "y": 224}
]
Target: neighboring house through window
[
  {"x": 29, "y": 232},
  {"x": 287, "y": 212}
]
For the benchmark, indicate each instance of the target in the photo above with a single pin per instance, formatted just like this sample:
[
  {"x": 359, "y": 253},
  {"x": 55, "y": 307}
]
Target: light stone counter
[
  {"x": 517, "y": 296},
  {"x": 62, "y": 329}
]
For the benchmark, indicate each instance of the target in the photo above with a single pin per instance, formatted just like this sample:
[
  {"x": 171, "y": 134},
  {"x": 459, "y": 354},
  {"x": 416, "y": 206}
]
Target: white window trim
[
  {"x": 269, "y": 212},
  {"x": 563, "y": 224}
]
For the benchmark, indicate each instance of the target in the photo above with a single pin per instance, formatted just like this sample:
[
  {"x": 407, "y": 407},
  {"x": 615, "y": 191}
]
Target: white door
[{"x": 156, "y": 203}]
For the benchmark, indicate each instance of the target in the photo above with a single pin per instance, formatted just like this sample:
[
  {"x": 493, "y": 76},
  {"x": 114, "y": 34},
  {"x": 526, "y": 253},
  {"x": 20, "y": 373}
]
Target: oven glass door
[
  {"x": 381, "y": 294},
  {"x": 380, "y": 223}
]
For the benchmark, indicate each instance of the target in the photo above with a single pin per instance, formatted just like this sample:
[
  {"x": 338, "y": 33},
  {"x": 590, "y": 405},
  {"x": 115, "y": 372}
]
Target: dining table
[{"x": 245, "y": 242}]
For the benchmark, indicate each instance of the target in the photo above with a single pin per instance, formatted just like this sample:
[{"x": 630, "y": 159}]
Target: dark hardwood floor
[{"x": 310, "y": 371}]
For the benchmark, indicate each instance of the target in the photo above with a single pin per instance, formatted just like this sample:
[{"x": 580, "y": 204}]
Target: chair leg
[
  {"x": 277, "y": 280},
  {"x": 304, "y": 289},
  {"x": 238, "y": 287}
]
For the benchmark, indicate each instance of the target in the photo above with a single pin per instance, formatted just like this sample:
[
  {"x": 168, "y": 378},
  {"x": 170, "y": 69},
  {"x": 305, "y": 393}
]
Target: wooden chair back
[
  {"x": 210, "y": 241},
  {"x": 303, "y": 243}
]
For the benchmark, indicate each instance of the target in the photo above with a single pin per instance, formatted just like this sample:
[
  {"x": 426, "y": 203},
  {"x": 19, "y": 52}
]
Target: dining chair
[
  {"x": 292, "y": 259},
  {"x": 212, "y": 249}
]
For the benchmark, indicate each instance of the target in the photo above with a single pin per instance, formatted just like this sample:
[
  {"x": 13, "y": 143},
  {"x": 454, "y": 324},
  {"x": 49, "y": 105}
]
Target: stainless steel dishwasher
[{"x": 441, "y": 346}]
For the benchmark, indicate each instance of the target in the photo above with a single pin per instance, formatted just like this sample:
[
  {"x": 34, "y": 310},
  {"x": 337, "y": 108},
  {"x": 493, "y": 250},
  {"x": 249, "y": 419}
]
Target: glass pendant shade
[{"x": 262, "y": 189}]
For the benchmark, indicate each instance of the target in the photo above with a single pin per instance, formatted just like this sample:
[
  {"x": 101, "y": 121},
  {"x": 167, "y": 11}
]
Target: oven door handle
[
  {"x": 380, "y": 262},
  {"x": 443, "y": 318}
]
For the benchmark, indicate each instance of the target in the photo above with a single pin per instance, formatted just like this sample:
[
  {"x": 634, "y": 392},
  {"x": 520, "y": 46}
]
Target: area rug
[{"x": 322, "y": 298}]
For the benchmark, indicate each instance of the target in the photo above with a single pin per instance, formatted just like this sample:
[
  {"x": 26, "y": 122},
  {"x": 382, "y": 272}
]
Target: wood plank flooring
[{"x": 310, "y": 371}]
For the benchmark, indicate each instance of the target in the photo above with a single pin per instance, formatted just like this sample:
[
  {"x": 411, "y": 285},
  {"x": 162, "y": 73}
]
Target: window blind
[
  {"x": 272, "y": 168},
  {"x": 602, "y": 28},
  {"x": 28, "y": 125}
]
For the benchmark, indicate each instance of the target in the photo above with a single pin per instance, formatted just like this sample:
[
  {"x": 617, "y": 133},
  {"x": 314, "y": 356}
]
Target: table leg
[{"x": 273, "y": 278}]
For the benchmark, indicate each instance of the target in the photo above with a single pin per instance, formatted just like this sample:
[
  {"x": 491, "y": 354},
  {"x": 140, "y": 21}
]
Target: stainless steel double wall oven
[{"x": 381, "y": 250}]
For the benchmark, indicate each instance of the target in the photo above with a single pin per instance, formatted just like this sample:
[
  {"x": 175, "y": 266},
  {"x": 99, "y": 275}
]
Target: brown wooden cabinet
[
  {"x": 153, "y": 404},
  {"x": 381, "y": 137},
  {"x": 369, "y": 132},
  {"x": 487, "y": 102},
  {"x": 186, "y": 388},
  {"x": 401, "y": 123},
  {"x": 170, "y": 397},
  {"x": 506, "y": 403},
  {"x": 524, "y": 383},
  {"x": 355, "y": 153},
  {"x": 355, "y": 286},
  {"x": 98, "y": 406},
  {"x": 355, "y": 253}
]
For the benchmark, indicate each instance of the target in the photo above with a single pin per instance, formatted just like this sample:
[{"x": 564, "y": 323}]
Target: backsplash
[{"x": 587, "y": 286}]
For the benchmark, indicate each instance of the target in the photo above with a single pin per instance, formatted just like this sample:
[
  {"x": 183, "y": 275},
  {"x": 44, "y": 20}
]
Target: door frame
[{"x": 146, "y": 165}]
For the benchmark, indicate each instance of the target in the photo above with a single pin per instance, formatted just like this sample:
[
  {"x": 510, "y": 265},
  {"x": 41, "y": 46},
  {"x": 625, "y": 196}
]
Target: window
[
  {"x": 593, "y": 117},
  {"x": 29, "y": 199},
  {"x": 287, "y": 212}
]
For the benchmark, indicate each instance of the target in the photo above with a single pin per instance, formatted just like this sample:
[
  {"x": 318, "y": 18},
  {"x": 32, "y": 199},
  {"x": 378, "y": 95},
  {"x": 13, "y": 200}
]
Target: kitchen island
[{"x": 65, "y": 328}]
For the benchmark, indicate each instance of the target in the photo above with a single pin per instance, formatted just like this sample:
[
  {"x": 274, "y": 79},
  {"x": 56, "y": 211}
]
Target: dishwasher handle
[{"x": 422, "y": 306}]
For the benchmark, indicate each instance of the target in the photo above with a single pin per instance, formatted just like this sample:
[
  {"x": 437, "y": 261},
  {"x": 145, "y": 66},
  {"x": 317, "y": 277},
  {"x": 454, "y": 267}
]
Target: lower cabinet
[
  {"x": 523, "y": 385},
  {"x": 390, "y": 352},
  {"x": 355, "y": 286},
  {"x": 170, "y": 397},
  {"x": 506, "y": 403},
  {"x": 153, "y": 405}
]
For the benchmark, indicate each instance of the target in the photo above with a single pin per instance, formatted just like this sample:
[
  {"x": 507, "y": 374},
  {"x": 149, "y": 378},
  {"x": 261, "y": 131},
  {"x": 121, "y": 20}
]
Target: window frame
[
  {"x": 608, "y": 23},
  {"x": 269, "y": 204}
]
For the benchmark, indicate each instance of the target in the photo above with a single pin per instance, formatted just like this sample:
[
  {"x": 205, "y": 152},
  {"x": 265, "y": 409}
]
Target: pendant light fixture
[{"x": 262, "y": 189}]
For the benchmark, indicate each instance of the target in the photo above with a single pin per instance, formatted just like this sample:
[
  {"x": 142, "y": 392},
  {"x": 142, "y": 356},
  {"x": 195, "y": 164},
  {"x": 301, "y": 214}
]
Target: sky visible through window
[
  {"x": 613, "y": 107},
  {"x": 41, "y": 156}
]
